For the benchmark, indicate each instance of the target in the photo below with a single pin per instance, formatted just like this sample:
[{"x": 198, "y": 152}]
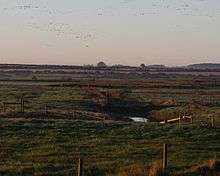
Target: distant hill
[{"x": 205, "y": 66}]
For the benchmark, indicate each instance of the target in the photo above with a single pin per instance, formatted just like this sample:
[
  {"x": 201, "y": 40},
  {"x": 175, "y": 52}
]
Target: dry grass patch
[
  {"x": 210, "y": 168},
  {"x": 133, "y": 170},
  {"x": 156, "y": 169}
]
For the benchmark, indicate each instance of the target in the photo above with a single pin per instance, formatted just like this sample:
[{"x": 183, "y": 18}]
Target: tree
[
  {"x": 101, "y": 64},
  {"x": 143, "y": 66}
]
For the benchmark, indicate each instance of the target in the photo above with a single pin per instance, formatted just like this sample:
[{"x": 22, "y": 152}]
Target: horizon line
[{"x": 108, "y": 65}]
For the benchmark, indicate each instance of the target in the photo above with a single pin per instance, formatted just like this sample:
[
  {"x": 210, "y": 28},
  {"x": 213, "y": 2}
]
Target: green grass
[
  {"x": 50, "y": 147},
  {"x": 62, "y": 98}
]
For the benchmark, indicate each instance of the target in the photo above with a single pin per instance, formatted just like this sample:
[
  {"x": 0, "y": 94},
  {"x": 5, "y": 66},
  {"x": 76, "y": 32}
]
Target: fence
[
  {"x": 164, "y": 161},
  {"x": 21, "y": 104},
  {"x": 50, "y": 109},
  {"x": 209, "y": 122},
  {"x": 79, "y": 165}
]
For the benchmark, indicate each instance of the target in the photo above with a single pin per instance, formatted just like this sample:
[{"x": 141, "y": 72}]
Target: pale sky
[{"x": 132, "y": 32}]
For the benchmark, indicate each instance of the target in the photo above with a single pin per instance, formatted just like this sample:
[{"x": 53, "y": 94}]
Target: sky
[{"x": 130, "y": 32}]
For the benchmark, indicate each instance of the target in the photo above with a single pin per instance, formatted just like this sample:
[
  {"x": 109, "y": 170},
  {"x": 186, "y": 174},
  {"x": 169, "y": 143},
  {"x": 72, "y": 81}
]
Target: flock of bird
[{"x": 34, "y": 10}]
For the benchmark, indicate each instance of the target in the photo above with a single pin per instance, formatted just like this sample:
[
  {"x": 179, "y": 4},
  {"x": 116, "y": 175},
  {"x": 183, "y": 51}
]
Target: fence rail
[{"x": 48, "y": 109}]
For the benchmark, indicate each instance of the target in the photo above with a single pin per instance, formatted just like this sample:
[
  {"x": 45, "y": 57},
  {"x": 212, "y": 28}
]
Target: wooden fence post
[
  {"x": 179, "y": 122},
  {"x": 45, "y": 109},
  {"x": 213, "y": 121},
  {"x": 73, "y": 114},
  {"x": 79, "y": 167},
  {"x": 191, "y": 119},
  {"x": 22, "y": 105},
  {"x": 4, "y": 107},
  {"x": 164, "y": 157}
]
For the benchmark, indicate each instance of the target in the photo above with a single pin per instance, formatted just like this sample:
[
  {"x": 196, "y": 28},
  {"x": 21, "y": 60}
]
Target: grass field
[
  {"x": 50, "y": 147},
  {"x": 163, "y": 102},
  {"x": 37, "y": 144}
]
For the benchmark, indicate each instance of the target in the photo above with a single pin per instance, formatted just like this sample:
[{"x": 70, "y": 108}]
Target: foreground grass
[{"x": 50, "y": 147}]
